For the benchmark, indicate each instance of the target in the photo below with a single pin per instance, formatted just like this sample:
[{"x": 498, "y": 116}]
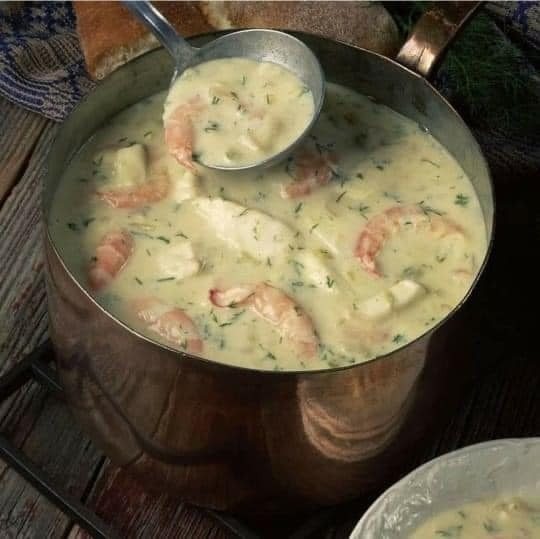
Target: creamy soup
[
  {"x": 494, "y": 519},
  {"x": 363, "y": 240},
  {"x": 235, "y": 112}
]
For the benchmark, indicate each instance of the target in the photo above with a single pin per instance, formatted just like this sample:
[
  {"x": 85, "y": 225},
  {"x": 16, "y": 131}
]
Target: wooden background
[{"x": 504, "y": 402}]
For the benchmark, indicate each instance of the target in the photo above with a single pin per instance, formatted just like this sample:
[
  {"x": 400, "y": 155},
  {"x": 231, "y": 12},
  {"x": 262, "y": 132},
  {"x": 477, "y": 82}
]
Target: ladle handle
[
  {"x": 430, "y": 37},
  {"x": 175, "y": 44}
]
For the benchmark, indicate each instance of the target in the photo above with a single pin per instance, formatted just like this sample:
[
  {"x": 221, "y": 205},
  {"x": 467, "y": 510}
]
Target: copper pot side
[{"x": 244, "y": 440}]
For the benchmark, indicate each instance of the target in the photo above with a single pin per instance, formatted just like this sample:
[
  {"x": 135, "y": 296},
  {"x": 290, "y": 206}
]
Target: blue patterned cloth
[{"x": 41, "y": 62}]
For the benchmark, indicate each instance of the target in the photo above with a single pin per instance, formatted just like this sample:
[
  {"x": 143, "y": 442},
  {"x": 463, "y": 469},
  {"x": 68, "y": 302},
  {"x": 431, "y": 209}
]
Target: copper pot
[{"x": 247, "y": 440}]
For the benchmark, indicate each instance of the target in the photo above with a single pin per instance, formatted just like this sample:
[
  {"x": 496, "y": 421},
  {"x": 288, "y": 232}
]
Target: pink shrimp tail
[
  {"x": 179, "y": 132},
  {"x": 311, "y": 170},
  {"x": 381, "y": 227},
  {"x": 148, "y": 193},
  {"x": 170, "y": 322},
  {"x": 277, "y": 308},
  {"x": 112, "y": 253}
]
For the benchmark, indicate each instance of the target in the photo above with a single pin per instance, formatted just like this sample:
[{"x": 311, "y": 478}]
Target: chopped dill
[
  {"x": 461, "y": 199},
  {"x": 424, "y": 160},
  {"x": 428, "y": 209},
  {"x": 340, "y": 196}
]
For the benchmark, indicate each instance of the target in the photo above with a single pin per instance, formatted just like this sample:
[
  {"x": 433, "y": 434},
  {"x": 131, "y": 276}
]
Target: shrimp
[
  {"x": 311, "y": 170},
  {"x": 179, "y": 132},
  {"x": 381, "y": 227},
  {"x": 148, "y": 192},
  {"x": 112, "y": 253},
  {"x": 275, "y": 307},
  {"x": 170, "y": 322}
]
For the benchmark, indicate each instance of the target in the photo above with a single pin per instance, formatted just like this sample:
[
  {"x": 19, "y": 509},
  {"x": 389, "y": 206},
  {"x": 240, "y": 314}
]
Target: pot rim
[{"x": 285, "y": 373}]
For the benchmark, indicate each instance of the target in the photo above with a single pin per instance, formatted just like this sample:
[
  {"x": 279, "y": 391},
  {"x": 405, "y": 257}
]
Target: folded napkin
[{"x": 41, "y": 63}]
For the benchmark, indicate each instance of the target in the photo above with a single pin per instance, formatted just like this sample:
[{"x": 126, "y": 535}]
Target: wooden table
[{"x": 504, "y": 402}]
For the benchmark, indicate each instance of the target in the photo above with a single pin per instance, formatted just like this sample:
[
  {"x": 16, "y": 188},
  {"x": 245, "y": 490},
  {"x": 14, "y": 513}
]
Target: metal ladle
[{"x": 257, "y": 44}]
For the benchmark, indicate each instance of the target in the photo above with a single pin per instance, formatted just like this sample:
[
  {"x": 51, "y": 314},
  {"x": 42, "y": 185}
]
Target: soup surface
[
  {"x": 363, "y": 240},
  {"x": 494, "y": 519},
  {"x": 241, "y": 112}
]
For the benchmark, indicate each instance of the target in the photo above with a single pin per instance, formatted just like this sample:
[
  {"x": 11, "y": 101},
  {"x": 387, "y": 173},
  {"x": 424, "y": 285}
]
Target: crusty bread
[{"x": 110, "y": 36}]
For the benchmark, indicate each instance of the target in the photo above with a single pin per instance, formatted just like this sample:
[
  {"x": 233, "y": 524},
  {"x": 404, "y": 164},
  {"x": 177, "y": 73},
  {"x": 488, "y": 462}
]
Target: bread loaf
[{"x": 111, "y": 36}]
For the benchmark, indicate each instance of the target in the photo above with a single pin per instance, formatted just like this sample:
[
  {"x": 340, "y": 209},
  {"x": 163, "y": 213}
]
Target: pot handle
[{"x": 434, "y": 31}]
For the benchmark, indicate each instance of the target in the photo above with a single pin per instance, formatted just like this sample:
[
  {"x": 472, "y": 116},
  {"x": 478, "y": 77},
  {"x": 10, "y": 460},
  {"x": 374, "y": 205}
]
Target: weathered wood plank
[
  {"x": 134, "y": 513},
  {"x": 20, "y": 132},
  {"x": 39, "y": 425},
  {"x": 58, "y": 447}
]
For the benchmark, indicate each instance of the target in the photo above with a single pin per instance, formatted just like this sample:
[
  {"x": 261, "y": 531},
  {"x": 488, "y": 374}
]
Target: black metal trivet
[{"x": 36, "y": 367}]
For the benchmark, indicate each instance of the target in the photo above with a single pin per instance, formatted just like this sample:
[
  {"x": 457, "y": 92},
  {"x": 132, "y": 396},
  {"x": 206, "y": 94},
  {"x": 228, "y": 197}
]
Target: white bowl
[{"x": 476, "y": 472}]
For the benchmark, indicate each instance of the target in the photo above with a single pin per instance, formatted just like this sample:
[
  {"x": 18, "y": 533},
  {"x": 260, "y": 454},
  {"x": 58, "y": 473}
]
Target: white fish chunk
[
  {"x": 316, "y": 272},
  {"x": 178, "y": 260},
  {"x": 245, "y": 229},
  {"x": 398, "y": 296},
  {"x": 129, "y": 166},
  {"x": 377, "y": 306},
  {"x": 405, "y": 292},
  {"x": 184, "y": 184}
]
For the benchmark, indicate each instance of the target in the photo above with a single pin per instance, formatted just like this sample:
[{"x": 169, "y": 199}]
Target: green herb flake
[
  {"x": 163, "y": 279},
  {"x": 398, "y": 338},
  {"x": 268, "y": 262},
  {"x": 244, "y": 80},
  {"x": 212, "y": 126},
  {"x": 298, "y": 207},
  {"x": 392, "y": 196},
  {"x": 215, "y": 100},
  {"x": 490, "y": 526},
  {"x": 163, "y": 239},
  {"x": 340, "y": 196},
  {"x": 86, "y": 222},
  {"x": 243, "y": 213},
  {"x": 148, "y": 134},
  {"x": 234, "y": 96},
  {"x": 148, "y": 252},
  {"x": 461, "y": 199},
  {"x": 313, "y": 227},
  {"x": 73, "y": 226},
  {"x": 138, "y": 280},
  {"x": 361, "y": 209},
  {"x": 451, "y": 531},
  {"x": 440, "y": 259},
  {"x": 424, "y": 160},
  {"x": 428, "y": 209},
  {"x": 359, "y": 175},
  {"x": 182, "y": 235},
  {"x": 329, "y": 282},
  {"x": 297, "y": 283},
  {"x": 268, "y": 101}
]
